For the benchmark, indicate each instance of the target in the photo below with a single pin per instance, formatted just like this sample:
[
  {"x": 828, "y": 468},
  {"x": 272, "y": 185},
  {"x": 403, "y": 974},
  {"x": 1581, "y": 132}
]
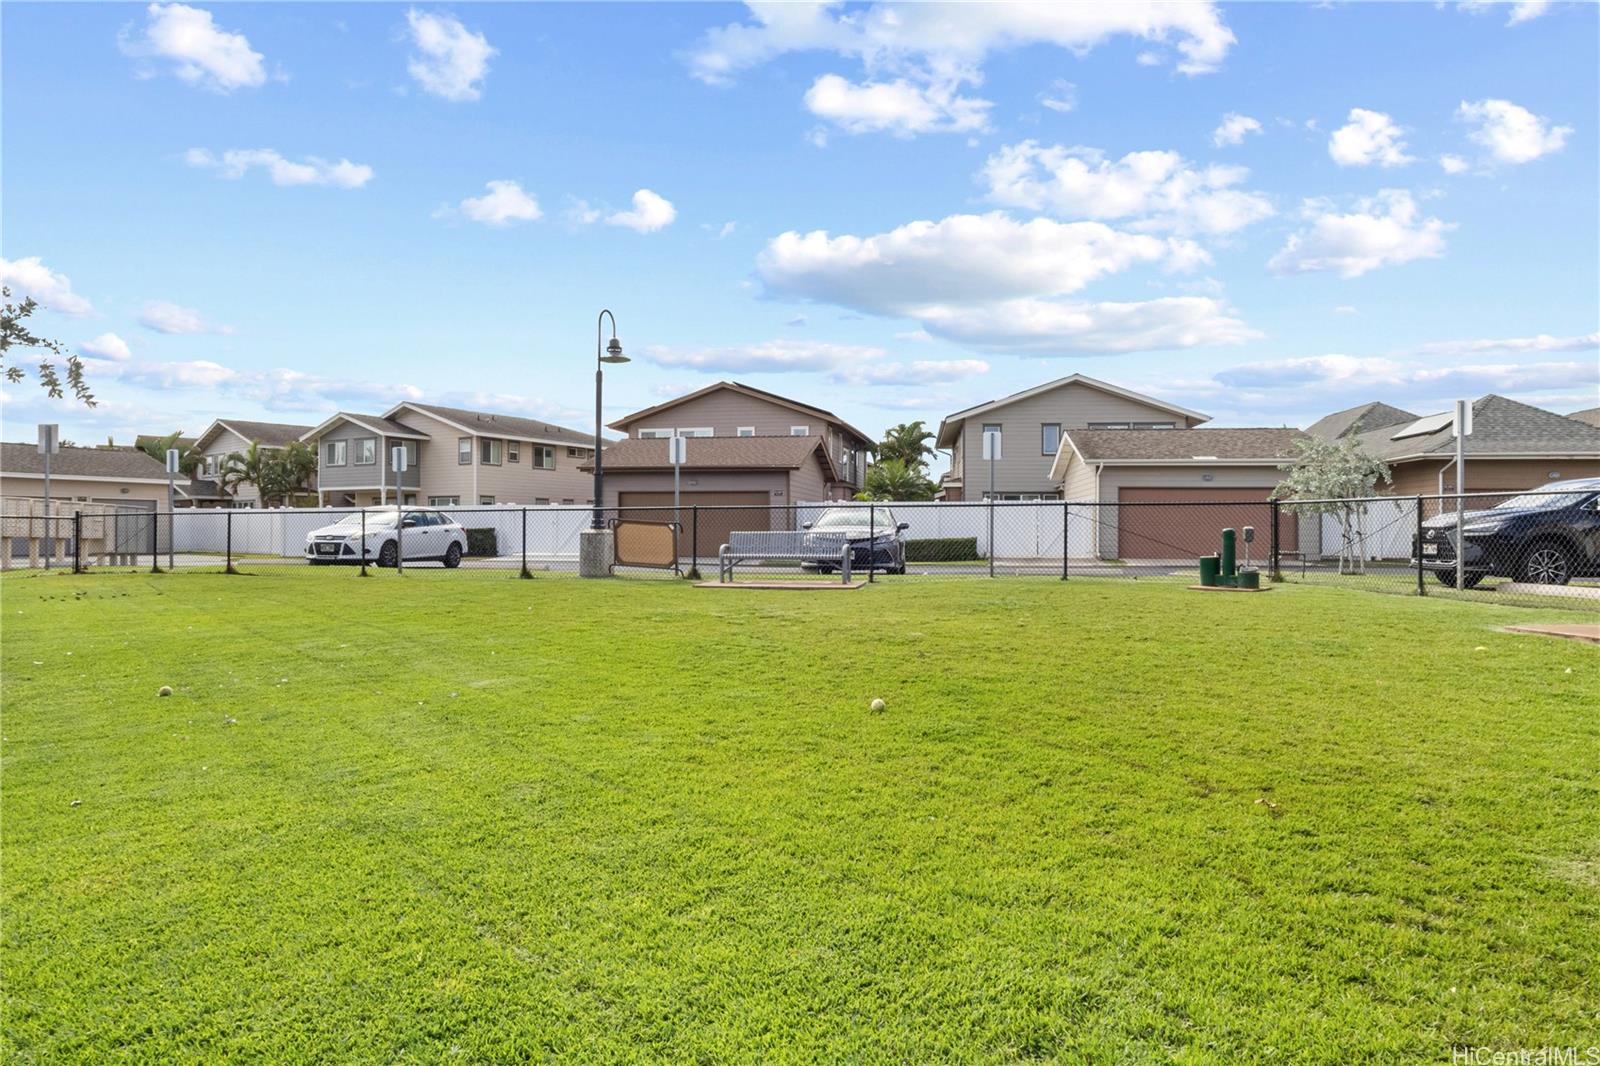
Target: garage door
[
  {"x": 1192, "y": 526},
  {"x": 132, "y": 523},
  {"x": 723, "y": 513}
]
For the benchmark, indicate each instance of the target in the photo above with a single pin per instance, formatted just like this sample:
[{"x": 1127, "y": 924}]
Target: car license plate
[
  {"x": 327, "y": 549},
  {"x": 1430, "y": 549}
]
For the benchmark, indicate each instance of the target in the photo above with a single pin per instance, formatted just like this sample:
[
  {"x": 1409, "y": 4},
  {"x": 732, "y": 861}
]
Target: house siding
[
  {"x": 226, "y": 443},
  {"x": 1421, "y": 476},
  {"x": 64, "y": 489},
  {"x": 1024, "y": 467},
  {"x": 334, "y": 479},
  {"x": 518, "y": 482}
]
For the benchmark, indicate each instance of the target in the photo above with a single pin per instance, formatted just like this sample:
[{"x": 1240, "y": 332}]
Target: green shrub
[
  {"x": 481, "y": 542},
  {"x": 942, "y": 550}
]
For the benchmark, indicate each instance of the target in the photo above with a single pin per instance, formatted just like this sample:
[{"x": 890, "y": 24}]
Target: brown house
[{"x": 1513, "y": 446}]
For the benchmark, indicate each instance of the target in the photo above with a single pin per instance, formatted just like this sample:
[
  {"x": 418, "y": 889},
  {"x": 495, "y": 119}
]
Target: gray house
[
  {"x": 225, "y": 437},
  {"x": 1031, "y": 424}
]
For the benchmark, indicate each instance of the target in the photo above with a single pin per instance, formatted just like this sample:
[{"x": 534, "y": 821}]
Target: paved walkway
[{"x": 1589, "y": 632}]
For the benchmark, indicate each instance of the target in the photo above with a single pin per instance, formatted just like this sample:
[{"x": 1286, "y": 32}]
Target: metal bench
[{"x": 787, "y": 544}]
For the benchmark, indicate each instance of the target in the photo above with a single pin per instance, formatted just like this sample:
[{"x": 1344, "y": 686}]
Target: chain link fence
[{"x": 1540, "y": 549}]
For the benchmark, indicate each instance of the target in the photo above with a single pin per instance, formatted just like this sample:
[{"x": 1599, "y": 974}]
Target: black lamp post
[{"x": 612, "y": 353}]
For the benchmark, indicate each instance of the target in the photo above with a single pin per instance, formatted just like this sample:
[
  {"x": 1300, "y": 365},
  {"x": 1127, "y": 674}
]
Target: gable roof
[
  {"x": 751, "y": 391},
  {"x": 1367, "y": 416},
  {"x": 384, "y": 427},
  {"x": 110, "y": 464},
  {"x": 950, "y": 426},
  {"x": 1589, "y": 416},
  {"x": 266, "y": 434},
  {"x": 490, "y": 424},
  {"x": 1175, "y": 447},
  {"x": 719, "y": 453},
  {"x": 1500, "y": 427}
]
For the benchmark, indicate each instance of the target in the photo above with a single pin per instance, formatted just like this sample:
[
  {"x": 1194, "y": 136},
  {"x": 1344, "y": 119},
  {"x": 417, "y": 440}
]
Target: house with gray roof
[
  {"x": 455, "y": 457},
  {"x": 1589, "y": 416},
  {"x": 224, "y": 438},
  {"x": 123, "y": 476}
]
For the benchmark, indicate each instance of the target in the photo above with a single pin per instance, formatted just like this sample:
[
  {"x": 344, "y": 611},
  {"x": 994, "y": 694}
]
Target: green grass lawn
[{"x": 465, "y": 818}]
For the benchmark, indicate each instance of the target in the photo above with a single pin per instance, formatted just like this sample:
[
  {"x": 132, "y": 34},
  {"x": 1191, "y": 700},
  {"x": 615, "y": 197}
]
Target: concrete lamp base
[{"x": 596, "y": 549}]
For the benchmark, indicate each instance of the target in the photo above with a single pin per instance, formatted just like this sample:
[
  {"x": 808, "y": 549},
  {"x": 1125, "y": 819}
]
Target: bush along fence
[{"x": 1533, "y": 548}]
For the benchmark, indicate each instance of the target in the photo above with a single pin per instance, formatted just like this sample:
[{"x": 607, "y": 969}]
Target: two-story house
[
  {"x": 1031, "y": 424},
  {"x": 748, "y": 448},
  {"x": 221, "y": 439},
  {"x": 454, "y": 458}
]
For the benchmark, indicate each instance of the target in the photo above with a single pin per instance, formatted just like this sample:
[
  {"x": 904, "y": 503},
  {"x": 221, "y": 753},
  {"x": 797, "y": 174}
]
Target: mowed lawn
[{"x": 459, "y": 817}]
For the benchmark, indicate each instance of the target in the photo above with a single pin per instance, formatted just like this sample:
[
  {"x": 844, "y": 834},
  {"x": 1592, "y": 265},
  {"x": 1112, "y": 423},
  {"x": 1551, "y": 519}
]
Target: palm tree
[
  {"x": 288, "y": 472},
  {"x": 248, "y": 467},
  {"x": 188, "y": 458},
  {"x": 892, "y": 479},
  {"x": 908, "y": 443}
]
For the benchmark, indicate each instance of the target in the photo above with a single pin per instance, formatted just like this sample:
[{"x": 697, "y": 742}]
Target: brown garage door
[
  {"x": 721, "y": 513},
  {"x": 1192, "y": 526}
]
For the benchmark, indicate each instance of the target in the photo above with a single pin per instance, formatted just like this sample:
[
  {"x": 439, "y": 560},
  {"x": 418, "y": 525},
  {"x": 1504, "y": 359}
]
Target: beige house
[
  {"x": 90, "y": 479},
  {"x": 1031, "y": 425},
  {"x": 454, "y": 458},
  {"x": 223, "y": 438},
  {"x": 1208, "y": 478},
  {"x": 1513, "y": 446}
]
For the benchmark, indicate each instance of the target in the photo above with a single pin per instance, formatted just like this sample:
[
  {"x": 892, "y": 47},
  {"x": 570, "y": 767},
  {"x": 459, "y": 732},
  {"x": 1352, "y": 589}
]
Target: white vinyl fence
[
  {"x": 1382, "y": 530},
  {"x": 552, "y": 530},
  {"x": 1025, "y": 530}
]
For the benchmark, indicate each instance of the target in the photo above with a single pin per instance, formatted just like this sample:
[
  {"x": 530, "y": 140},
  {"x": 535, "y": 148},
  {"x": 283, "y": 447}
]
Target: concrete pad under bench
[
  {"x": 814, "y": 586},
  {"x": 1588, "y": 632}
]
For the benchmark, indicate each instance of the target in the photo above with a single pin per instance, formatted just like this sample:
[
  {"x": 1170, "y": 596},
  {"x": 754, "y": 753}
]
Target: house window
[
  {"x": 464, "y": 451},
  {"x": 747, "y": 431},
  {"x": 566, "y": 503},
  {"x": 411, "y": 499},
  {"x": 337, "y": 452},
  {"x": 485, "y": 501},
  {"x": 799, "y": 431},
  {"x": 580, "y": 453},
  {"x": 1132, "y": 425},
  {"x": 489, "y": 451},
  {"x": 366, "y": 451},
  {"x": 654, "y": 434},
  {"x": 991, "y": 427},
  {"x": 544, "y": 457},
  {"x": 702, "y": 431},
  {"x": 513, "y": 451},
  {"x": 411, "y": 453},
  {"x": 541, "y": 501},
  {"x": 1050, "y": 438},
  {"x": 444, "y": 501}
]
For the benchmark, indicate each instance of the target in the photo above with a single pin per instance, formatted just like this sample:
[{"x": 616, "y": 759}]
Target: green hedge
[
  {"x": 942, "y": 550},
  {"x": 481, "y": 542}
]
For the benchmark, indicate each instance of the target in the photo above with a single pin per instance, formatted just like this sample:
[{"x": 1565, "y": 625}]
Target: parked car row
[{"x": 1546, "y": 537}]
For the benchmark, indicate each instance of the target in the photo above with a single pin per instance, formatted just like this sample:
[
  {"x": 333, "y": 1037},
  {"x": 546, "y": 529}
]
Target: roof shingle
[
  {"x": 113, "y": 464},
  {"x": 1182, "y": 445},
  {"x": 1499, "y": 427},
  {"x": 717, "y": 453}
]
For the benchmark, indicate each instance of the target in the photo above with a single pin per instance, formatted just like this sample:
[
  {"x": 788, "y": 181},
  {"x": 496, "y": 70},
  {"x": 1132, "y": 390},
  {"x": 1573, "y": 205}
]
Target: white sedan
[{"x": 426, "y": 536}]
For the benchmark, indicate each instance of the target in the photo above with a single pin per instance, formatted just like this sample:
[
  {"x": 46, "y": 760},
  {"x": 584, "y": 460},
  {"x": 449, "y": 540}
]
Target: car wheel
[
  {"x": 388, "y": 555},
  {"x": 452, "y": 556},
  {"x": 1546, "y": 564},
  {"x": 1447, "y": 578}
]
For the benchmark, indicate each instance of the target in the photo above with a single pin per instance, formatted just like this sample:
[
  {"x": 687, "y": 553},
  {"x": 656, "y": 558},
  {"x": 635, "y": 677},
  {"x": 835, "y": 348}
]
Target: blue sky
[{"x": 1264, "y": 211}]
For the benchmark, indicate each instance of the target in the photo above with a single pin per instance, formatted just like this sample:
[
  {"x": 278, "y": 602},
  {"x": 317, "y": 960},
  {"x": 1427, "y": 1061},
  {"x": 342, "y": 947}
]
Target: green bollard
[
  {"x": 1208, "y": 570},
  {"x": 1228, "y": 562}
]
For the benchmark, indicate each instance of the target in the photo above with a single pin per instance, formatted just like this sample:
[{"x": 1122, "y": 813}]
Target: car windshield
[
  {"x": 856, "y": 518},
  {"x": 373, "y": 520},
  {"x": 1538, "y": 501}
]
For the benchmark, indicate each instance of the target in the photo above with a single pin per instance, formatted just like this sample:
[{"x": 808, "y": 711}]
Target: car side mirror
[
  {"x": 903, "y": 526},
  {"x": 805, "y": 525}
]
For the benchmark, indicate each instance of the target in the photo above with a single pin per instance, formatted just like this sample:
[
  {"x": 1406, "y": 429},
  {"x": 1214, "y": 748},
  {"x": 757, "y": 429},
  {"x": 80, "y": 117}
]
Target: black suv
[{"x": 1546, "y": 537}]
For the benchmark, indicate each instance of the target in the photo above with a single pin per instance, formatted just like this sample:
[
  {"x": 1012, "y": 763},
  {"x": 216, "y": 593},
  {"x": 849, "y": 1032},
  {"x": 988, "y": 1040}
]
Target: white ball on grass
[
  {"x": 164, "y": 690},
  {"x": 879, "y": 705}
]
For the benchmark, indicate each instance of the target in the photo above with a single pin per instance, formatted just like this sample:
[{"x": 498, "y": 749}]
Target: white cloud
[
  {"x": 107, "y": 346},
  {"x": 921, "y": 336},
  {"x": 504, "y": 204},
  {"x": 450, "y": 60},
  {"x": 1453, "y": 164},
  {"x": 1345, "y": 309},
  {"x": 918, "y": 57},
  {"x": 1062, "y": 96},
  {"x": 1161, "y": 190},
  {"x": 1384, "y": 230},
  {"x": 30, "y": 277},
  {"x": 1521, "y": 10},
  {"x": 1368, "y": 137},
  {"x": 166, "y": 317},
  {"x": 198, "y": 51},
  {"x": 1357, "y": 377},
  {"x": 236, "y": 162},
  {"x": 1542, "y": 342},
  {"x": 650, "y": 213},
  {"x": 959, "y": 259},
  {"x": 1052, "y": 327},
  {"x": 1235, "y": 127},
  {"x": 844, "y": 363},
  {"x": 1512, "y": 134},
  {"x": 899, "y": 107},
  {"x": 279, "y": 389}
]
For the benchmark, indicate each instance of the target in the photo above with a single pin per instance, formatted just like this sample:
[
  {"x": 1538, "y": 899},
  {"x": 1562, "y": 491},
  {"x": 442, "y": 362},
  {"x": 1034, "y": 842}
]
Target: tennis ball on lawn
[
  {"x": 879, "y": 705},
  {"x": 164, "y": 690}
]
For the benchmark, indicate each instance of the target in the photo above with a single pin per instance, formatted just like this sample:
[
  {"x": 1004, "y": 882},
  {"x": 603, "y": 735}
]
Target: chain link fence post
[
  {"x": 694, "y": 542},
  {"x": 872, "y": 541},
  {"x": 228, "y": 541},
  {"x": 1277, "y": 569},
  {"x": 77, "y": 542},
  {"x": 364, "y": 543},
  {"x": 1422, "y": 586},
  {"x": 1065, "y": 514},
  {"x": 155, "y": 542},
  {"x": 525, "y": 574}
]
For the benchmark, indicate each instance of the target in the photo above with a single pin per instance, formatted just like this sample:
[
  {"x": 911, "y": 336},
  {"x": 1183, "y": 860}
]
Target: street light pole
[{"x": 612, "y": 353}]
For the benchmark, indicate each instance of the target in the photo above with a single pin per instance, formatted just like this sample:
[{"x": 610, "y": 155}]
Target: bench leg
[{"x": 844, "y": 567}]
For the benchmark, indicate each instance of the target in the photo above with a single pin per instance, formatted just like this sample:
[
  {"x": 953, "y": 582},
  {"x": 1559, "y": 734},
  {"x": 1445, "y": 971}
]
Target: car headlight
[{"x": 1487, "y": 527}]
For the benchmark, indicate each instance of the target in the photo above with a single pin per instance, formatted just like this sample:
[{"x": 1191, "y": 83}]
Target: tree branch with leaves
[
  {"x": 16, "y": 333},
  {"x": 1336, "y": 476}
]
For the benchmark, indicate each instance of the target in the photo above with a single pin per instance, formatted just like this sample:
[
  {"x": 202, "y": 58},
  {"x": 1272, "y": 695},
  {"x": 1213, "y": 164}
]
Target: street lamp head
[{"x": 614, "y": 353}]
